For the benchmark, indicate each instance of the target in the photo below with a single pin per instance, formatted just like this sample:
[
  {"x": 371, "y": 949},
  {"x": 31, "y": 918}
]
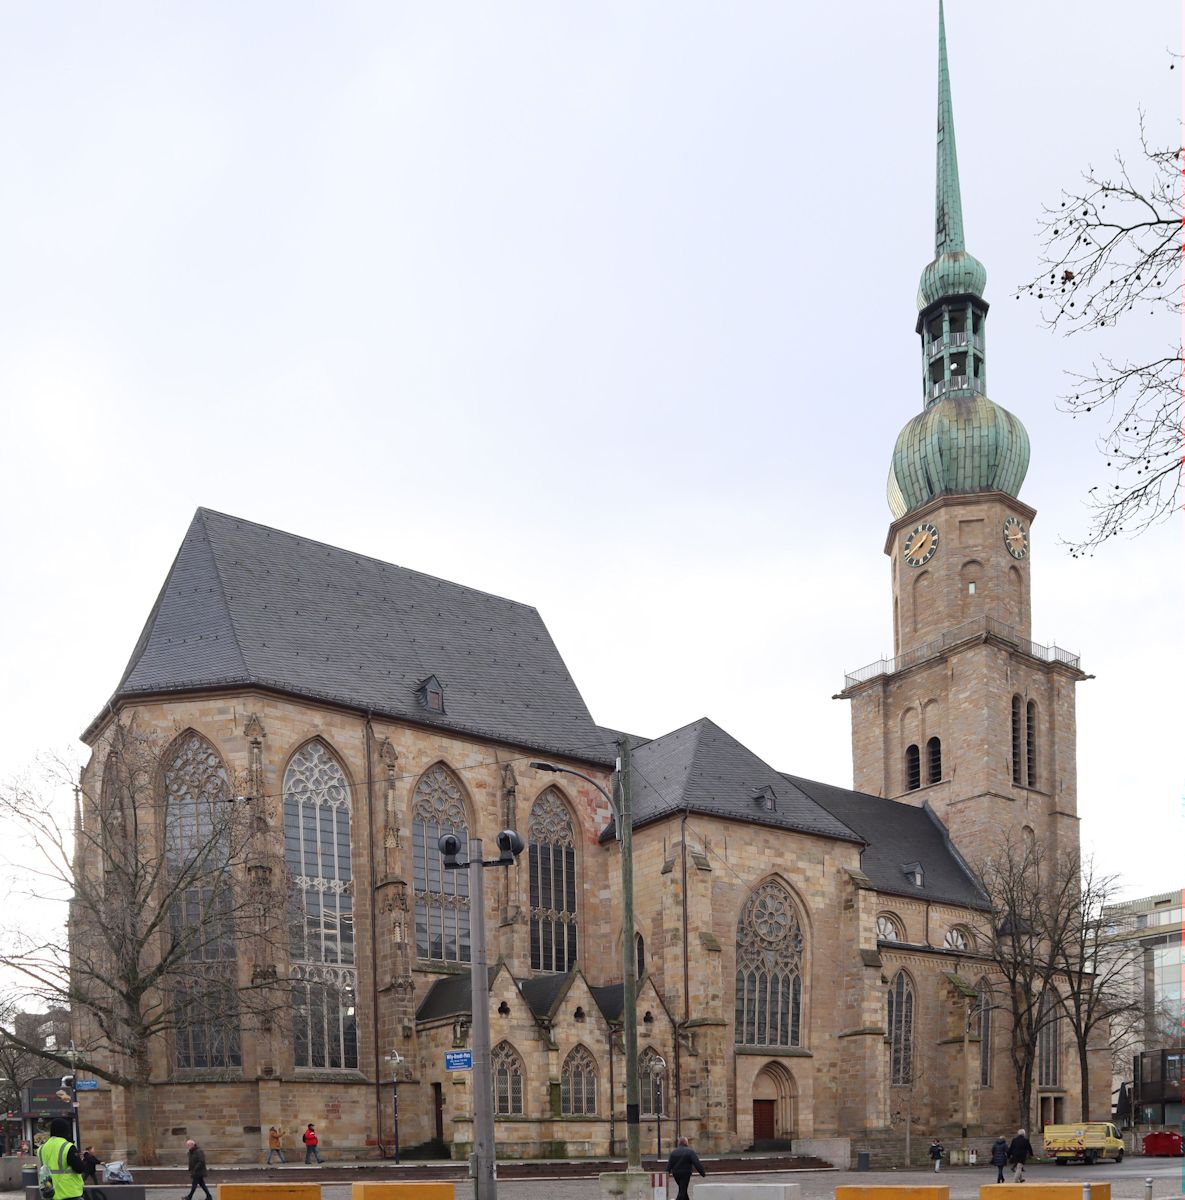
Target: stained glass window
[
  {"x": 442, "y": 897},
  {"x": 317, "y": 854},
  {"x": 1049, "y": 1066},
  {"x": 552, "y": 855},
  {"x": 985, "y": 1002},
  {"x": 769, "y": 970},
  {"x": 901, "y": 1005},
  {"x": 578, "y": 1084},
  {"x": 197, "y": 849}
]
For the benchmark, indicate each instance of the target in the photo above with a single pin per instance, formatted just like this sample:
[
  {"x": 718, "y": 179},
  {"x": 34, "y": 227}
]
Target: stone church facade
[{"x": 810, "y": 962}]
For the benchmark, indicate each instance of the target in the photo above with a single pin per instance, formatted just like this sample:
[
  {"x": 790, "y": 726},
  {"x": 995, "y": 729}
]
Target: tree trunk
[
  {"x": 143, "y": 1116},
  {"x": 1084, "y": 1073}
]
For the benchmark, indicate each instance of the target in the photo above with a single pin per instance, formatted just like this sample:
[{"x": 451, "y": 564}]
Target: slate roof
[
  {"x": 245, "y": 605},
  {"x": 897, "y": 834},
  {"x": 449, "y": 996},
  {"x": 542, "y": 991},
  {"x": 705, "y": 770}
]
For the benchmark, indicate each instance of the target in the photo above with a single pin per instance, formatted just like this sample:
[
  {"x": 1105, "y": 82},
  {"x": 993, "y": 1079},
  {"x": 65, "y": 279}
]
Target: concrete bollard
[{"x": 1147, "y": 1187}]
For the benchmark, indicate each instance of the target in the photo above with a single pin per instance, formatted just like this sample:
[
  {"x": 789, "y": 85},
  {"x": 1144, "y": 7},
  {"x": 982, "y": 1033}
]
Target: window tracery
[
  {"x": 506, "y": 1068},
  {"x": 318, "y": 847},
  {"x": 887, "y": 928},
  {"x": 901, "y": 1012},
  {"x": 769, "y": 948},
  {"x": 205, "y": 1001},
  {"x": 442, "y": 897},
  {"x": 578, "y": 1084},
  {"x": 957, "y": 938},
  {"x": 553, "y": 883}
]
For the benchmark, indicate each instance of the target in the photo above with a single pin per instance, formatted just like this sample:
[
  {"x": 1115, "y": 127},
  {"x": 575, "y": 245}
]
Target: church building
[{"x": 810, "y": 960}]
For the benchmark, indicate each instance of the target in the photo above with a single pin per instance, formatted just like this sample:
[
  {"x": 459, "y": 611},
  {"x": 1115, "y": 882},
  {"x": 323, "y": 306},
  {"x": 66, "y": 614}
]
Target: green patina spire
[
  {"x": 948, "y": 205},
  {"x": 961, "y": 442}
]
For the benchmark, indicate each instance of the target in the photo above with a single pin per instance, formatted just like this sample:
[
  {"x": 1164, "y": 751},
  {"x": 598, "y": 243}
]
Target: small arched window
[
  {"x": 578, "y": 1084},
  {"x": 651, "y": 1074},
  {"x": 1016, "y": 739},
  {"x": 985, "y": 1003},
  {"x": 913, "y": 768},
  {"x": 640, "y": 954},
  {"x": 1031, "y": 742},
  {"x": 934, "y": 760},
  {"x": 957, "y": 939},
  {"x": 901, "y": 1005},
  {"x": 442, "y": 897},
  {"x": 507, "y": 1069},
  {"x": 888, "y": 929}
]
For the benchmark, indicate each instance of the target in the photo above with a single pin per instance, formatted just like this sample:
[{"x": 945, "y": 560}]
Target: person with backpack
[
  {"x": 310, "y": 1145},
  {"x": 59, "y": 1173}
]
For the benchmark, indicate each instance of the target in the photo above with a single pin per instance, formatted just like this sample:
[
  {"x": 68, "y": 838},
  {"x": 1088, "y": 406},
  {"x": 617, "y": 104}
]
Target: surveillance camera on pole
[{"x": 483, "y": 1164}]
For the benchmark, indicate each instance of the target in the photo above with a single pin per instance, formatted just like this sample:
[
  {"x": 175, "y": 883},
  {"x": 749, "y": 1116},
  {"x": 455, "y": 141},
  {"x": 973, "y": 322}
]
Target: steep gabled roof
[
  {"x": 247, "y": 605},
  {"x": 898, "y": 834},
  {"x": 702, "y": 769}
]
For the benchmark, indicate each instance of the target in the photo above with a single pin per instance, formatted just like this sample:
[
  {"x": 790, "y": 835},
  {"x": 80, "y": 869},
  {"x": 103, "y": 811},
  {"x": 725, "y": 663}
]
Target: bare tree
[
  {"x": 166, "y": 879},
  {"x": 1032, "y": 901},
  {"x": 1096, "y": 966},
  {"x": 1112, "y": 250}
]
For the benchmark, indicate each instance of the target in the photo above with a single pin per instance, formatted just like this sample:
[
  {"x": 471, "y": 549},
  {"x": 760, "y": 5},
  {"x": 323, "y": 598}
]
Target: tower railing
[{"x": 978, "y": 627}]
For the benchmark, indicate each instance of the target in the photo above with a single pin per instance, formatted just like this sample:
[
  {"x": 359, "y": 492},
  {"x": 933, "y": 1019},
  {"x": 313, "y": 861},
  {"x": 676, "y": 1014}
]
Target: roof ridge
[{"x": 382, "y": 562}]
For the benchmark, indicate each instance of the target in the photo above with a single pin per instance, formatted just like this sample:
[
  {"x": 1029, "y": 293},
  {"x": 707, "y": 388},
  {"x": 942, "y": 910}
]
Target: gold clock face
[
  {"x": 1016, "y": 537},
  {"x": 920, "y": 545}
]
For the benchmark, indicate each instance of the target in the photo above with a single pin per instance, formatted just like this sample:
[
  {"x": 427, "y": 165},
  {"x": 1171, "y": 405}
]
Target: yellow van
[{"x": 1088, "y": 1142}]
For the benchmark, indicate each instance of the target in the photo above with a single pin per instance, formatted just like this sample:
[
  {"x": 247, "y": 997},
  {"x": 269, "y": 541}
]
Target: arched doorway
[{"x": 774, "y": 1108}]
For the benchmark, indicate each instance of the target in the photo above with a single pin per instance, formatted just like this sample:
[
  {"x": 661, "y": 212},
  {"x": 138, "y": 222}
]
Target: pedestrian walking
[
  {"x": 197, "y": 1170},
  {"x": 59, "y": 1155},
  {"x": 681, "y": 1164},
  {"x": 275, "y": 1144},
  {"x": 1020, "y": 1150},
  {"x": 936, "y": 1154},
  {"x": 310, "y": 1140},
  {"x": 1000, "y": 1156},
  {"x": 90, "y": 1165}
]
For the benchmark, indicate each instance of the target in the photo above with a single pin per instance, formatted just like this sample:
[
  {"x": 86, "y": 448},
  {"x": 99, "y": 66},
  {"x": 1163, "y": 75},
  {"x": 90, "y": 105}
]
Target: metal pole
[
  {"x": 395, "y": 1112},
  {"x": 629, "y": 1015},
  {"x": 1086, "y": 1191},
  {"x": 1147, "y": 1187},
  {"x": 485, "y": 1183}
]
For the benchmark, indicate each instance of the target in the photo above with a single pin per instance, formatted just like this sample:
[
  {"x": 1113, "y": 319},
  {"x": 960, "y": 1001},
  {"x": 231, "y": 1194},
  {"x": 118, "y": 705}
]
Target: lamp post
[
  {"x": 483, "y": 1164},
  {"x": 395, "y": 1061},
  {"x": 623, "y": 817},
  {"x": 660, "y": 1074}
]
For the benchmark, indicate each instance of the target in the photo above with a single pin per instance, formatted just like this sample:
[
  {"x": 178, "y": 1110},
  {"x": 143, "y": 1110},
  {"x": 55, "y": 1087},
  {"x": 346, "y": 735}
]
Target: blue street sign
[
  {"x": 458, "y": 1060},
  {"x": 86, "y": 1085}
]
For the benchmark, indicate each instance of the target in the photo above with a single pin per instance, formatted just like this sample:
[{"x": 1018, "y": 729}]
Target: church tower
[{"x": 970, "y": 716}]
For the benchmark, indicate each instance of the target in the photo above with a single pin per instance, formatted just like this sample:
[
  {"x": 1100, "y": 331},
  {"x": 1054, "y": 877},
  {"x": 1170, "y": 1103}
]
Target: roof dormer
[{"x": 430, "y": 694}]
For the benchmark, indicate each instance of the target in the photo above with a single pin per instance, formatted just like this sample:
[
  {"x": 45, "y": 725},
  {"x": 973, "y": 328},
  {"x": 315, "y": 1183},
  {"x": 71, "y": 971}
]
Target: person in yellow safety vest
[{"x": 61, "y": 1156}]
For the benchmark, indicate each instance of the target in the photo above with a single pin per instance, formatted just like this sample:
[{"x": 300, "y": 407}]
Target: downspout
[
  {"x": 367, "y": 741},
  {"x": 686, "y": 984},
  {"x": 612, "y": 1097}
]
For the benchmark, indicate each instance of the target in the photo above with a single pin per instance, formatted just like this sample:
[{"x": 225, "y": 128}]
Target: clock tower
[{"x": 970, "y": 716}]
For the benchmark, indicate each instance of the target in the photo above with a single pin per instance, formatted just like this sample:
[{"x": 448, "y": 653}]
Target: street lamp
[
  {"x": 660, "y": 1071},
  {"x": 510, "y": 846},
  {"x": 623, "y": 816},
  {"x": 394, "y": 1060}
]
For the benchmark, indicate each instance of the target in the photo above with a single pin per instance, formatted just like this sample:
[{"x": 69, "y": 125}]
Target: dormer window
[
  {"x": 765, "y": 797},
  {"x": 914, "y": 874},
  {"x": 430, "y": 694}
]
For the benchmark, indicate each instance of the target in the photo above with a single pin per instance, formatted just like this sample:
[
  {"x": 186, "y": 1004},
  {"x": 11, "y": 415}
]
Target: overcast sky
[{"x": 608, "y": 308}]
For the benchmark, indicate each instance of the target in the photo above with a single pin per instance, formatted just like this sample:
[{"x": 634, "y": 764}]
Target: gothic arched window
[
  {"x": 957, "y": 938},
  {"x": 934, "y": 761},
  {"x": 442, "y": 897},
  {"x": 769, "y": 970},
  {"x": 507, "y": 1069},
  {"x": 197, "y": 858},
  {"x": 639, "y": 955},
  {"x": 913, "y": 768},
  {"x": 1031, "y": 742},
  {"x": 1049, "y": 1066},
  {"x": 901, "y": 1005},
  {"x": 552, "y": 854},
  {"x": 318, "y": 855},
  {"x": 985, "y": 1003},
  {"x": 578, "y": 1084},
  {"x": 651, "y": 1074}
]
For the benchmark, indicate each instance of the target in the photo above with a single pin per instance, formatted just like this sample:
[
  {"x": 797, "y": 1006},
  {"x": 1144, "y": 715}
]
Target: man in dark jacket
[
  {"x": 1020, "y": 1150},
  {"x": 197, "y": 1170},
  {"x": 680, "y": 1165},
  {"x": 1000, "y": 1156}
]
